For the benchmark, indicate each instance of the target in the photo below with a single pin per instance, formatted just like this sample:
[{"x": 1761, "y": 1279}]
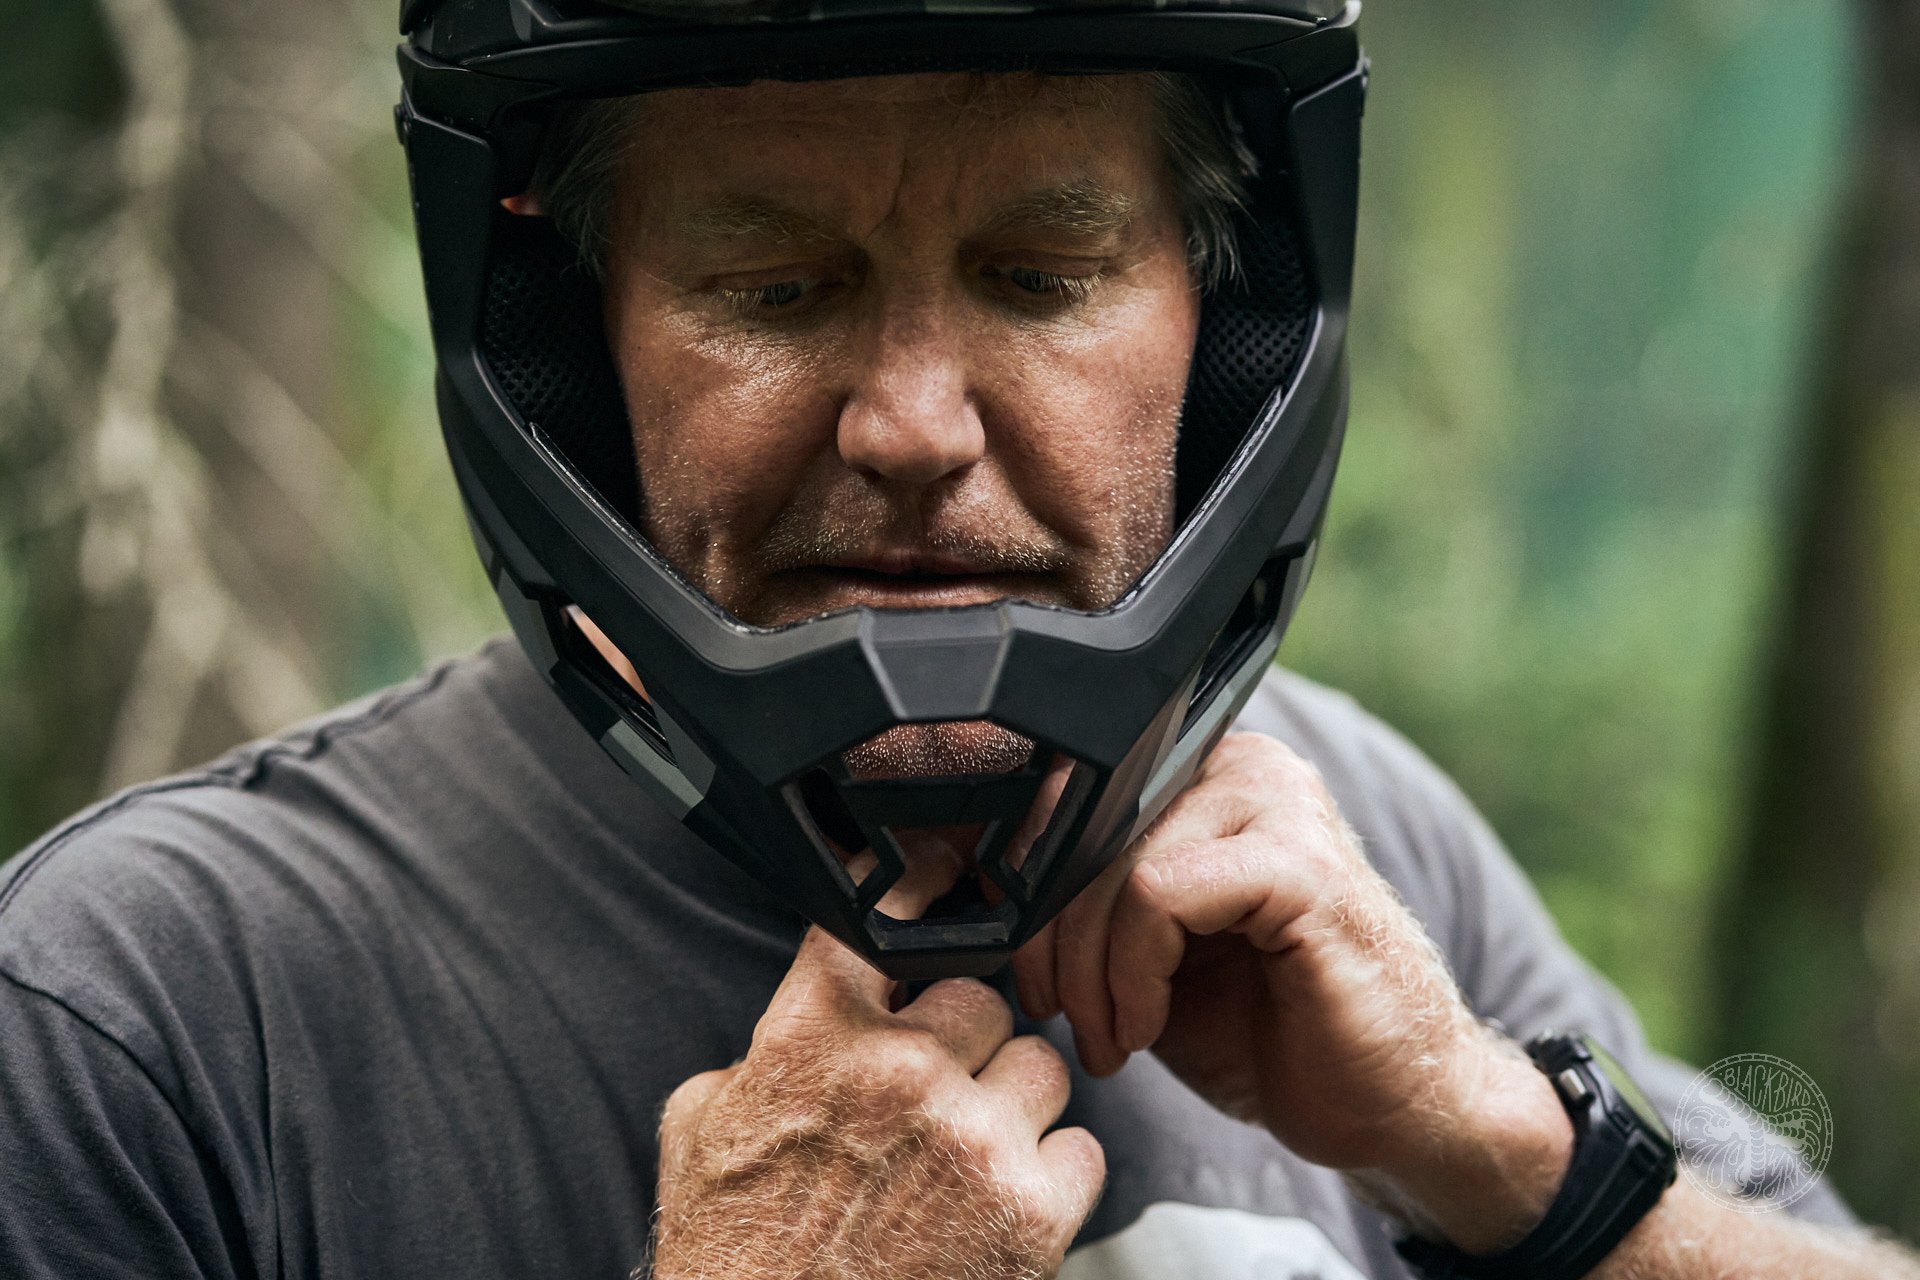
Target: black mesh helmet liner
[
  {"x": 544, "y": 340},
  {"x": 742, "y": 732}
]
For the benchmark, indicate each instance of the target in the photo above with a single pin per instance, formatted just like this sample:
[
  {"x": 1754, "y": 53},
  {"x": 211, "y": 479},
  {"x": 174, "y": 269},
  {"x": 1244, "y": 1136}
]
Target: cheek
[
  {"x": 724, "y": 431},
  {"x": 1092, "y": 423}
]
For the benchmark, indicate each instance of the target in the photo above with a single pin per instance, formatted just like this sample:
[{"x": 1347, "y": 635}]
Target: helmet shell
[{"x": 741, "y": 729}]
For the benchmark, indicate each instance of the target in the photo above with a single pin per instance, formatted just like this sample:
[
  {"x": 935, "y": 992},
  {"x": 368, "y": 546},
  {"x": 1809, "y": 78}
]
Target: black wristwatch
[{"x": 1623, "y": 1159}]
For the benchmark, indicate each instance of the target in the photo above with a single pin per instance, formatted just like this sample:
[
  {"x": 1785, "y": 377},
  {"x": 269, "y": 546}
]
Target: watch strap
[{"x": 1622, "y": 1163}]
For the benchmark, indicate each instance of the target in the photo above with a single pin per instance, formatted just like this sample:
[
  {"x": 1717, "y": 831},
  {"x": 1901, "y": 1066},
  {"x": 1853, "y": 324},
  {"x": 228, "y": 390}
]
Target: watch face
[{"x": 1627, "y": 1089}]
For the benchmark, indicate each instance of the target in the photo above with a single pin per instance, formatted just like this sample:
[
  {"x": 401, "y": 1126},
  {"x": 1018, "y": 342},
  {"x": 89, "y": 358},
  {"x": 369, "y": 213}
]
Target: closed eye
[
  {"x": 782, "y": 295},
  {"x": 1048, "y": 284}
]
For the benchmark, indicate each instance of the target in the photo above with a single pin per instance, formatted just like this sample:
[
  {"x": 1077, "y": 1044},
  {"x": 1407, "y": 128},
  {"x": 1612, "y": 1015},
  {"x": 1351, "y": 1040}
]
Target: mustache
[{"x": 848, "y": 523}]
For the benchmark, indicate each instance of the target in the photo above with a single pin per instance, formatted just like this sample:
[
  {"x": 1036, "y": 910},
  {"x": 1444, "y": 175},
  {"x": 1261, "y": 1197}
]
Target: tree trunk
[
  {"x": 193, "y": 483},
  {"x": 1820, "y": 940}
]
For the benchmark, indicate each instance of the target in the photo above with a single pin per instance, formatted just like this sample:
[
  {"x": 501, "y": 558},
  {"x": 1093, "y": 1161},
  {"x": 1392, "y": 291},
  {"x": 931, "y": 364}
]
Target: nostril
[{"x": 913, "y": 434}]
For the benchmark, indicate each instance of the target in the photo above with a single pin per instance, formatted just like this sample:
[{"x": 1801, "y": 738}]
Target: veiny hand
[
  {"x": 1249, "y": 943},
  {"x": 857, "y": 1142}
]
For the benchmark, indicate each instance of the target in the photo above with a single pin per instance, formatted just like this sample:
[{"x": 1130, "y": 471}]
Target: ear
[{"x": 523, "y": 206}]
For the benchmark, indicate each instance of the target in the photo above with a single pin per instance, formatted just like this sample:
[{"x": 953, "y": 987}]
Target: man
[{"x": 431, "y": 987}]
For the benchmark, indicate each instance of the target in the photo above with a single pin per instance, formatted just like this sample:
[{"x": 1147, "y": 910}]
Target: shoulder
[
  {"x": 1419, "y": 830},
  {"x": 167, "y": 897}
]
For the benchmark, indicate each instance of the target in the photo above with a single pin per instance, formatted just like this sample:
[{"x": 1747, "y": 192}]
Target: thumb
[{"x": 825, "y": 971}]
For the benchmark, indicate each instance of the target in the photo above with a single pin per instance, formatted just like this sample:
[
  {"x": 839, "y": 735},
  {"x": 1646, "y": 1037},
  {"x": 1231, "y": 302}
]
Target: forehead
[
  {"x": 960, "y": 98},
  {"x": 960, "y": 139}
]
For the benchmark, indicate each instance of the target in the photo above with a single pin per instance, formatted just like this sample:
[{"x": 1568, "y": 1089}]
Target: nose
[{"x": 910, "y": 418}]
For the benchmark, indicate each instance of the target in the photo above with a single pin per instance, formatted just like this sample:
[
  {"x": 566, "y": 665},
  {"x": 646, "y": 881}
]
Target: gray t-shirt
[{"x": 400, "y": 994}]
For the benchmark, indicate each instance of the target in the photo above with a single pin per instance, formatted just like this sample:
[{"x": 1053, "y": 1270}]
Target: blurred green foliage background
[
  {"x": 1595, "y": 258},
  {"x": 1586, "y": 281}
]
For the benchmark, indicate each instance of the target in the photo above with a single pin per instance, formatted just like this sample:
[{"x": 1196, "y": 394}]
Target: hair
[{"x": 586, "y": 141}]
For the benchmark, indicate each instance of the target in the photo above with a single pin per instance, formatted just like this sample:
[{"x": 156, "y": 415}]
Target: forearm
[
  {"x": 1689, "y": 1237},
  {"x": 1486, "y": 1194}
]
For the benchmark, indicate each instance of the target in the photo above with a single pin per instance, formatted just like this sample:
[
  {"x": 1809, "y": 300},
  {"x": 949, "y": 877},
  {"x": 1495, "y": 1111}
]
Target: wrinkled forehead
[{"x": 957, "y": 144}]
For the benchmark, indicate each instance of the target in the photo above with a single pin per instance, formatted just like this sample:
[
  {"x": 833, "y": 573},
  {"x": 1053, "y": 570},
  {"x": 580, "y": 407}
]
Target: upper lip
[{"x": 908, "y": 562}]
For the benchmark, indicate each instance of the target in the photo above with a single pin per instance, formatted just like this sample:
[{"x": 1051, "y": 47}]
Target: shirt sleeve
[{"x": 98, "y": 1175}]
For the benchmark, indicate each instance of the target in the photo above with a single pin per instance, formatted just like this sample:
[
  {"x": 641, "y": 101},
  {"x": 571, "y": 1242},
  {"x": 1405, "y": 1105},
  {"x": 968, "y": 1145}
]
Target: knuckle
[
  {"x": 1061, "y": 1191},
  {"x": 686, "y": 1112},
  {"x": 1041, "y": 1065},
  {"x": 1254, "y": 751},
  {"x": 1086, "y": 1153},
  {"x": 797, "y": 1026},
  {"x": 1329, "y": 857},
  {"x": 973, "y": 1136},
  {"x": 1083, "y": 1148},
  {"x": 906, "y": 1065},
  {"x": 972, "y": 999},
  {"x": 1157, "y": 883},
  {"x": 694, "y": 1091},
  {"x": 1242, "y": 742}
]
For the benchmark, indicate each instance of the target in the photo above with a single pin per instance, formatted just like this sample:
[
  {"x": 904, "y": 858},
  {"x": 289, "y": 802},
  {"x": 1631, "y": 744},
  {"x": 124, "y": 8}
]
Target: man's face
[{"x": 903, "y": 342}]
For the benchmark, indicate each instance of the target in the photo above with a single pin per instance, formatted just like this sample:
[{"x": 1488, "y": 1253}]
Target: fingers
[
  {"x": 1225, "y": 848},
  {"x": 1075, "y": 1172},
  {"x": 1082, "y": 949},
  {"x": 933, "y": 862},
  {"x": 1033, "y": 974},
  {"x": 1029, "y": 1079},
  {"x": 1080, "y": 971},
  {"x": 1196, "y": 891},
  {"x": 969, "y": 1019},
  {"x": 1144, "y": 951}
]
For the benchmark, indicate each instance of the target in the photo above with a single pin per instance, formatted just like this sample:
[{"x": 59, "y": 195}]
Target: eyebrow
[
  {"x": 1083, "y": 209},
  {"x": 751, "y": 217}
]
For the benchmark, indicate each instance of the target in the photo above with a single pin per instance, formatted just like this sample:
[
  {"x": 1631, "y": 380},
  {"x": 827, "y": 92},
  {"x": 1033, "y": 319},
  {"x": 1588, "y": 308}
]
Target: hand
[
  {"x": 857, "y": 1142},
  {"x": 1248, "y": 942}
]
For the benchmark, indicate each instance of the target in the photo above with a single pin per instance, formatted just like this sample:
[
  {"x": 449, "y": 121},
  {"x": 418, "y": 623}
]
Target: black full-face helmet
[{"x": 741, "y": 731}]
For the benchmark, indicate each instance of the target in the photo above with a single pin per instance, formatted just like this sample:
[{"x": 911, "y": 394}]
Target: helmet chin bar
[
  {"x": 742, "y": 731},
  {"x": 795, "y": 831}
]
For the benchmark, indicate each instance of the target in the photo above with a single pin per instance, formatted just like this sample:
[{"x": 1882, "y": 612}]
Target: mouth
[{"x": 917, "y": 580}]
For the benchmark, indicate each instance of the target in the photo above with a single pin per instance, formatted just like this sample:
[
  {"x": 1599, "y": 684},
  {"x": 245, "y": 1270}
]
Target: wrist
[{"x": 1491, "y": 1160}]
